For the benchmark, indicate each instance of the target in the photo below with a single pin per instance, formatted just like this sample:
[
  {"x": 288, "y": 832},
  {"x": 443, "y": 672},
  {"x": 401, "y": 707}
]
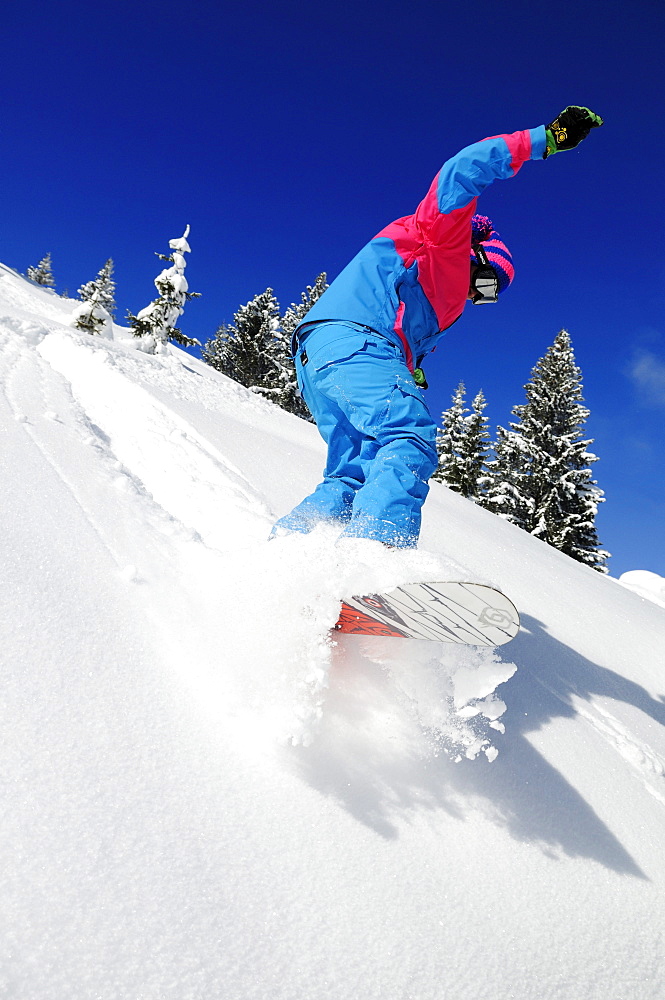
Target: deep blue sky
[{"x": 289, "y": 134}]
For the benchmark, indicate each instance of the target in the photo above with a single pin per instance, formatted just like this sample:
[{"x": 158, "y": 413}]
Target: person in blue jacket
[{"x": 359, "y": 349}]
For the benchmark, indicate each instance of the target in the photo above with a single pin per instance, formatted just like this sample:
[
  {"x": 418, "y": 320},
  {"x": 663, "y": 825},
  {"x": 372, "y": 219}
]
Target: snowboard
[{"x": 467, "y": 613}]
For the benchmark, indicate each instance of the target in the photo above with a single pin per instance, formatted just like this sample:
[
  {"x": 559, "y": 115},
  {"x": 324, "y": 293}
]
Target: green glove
[
  {"x": 569, "y": 128},
  {"x": 420, "y": 379}
]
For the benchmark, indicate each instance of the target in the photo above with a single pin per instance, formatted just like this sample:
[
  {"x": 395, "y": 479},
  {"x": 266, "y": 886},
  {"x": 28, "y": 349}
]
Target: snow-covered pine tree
[
  {"x": 42, "y": 274},
  {"x": 449, "y": 439},
  {"x": 507, "y": 484},
  {"x": 550, "y": 483},
  {"x": 246, "y": 350},
  {"x": 92, "y": 317},
  {"x": 462, "y": 444},
  {"x": 475, "y": 449},
  {"x": 287, "y": 389},
  {"x": 213, "y": 351},
  {"x": 155, "y": 323},
  {"x": 102, "y": 287}
]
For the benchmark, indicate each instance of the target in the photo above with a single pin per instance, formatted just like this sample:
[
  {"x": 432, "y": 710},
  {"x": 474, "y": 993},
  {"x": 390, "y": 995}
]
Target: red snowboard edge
[{"x": 354, "y": 622}]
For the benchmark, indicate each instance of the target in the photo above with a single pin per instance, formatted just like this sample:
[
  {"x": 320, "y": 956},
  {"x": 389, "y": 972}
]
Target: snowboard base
[{"x": 466, "y": 613}]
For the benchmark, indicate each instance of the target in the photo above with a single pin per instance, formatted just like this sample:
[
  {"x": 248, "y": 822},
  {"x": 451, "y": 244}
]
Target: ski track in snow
[
  {"x": 638, "y": 754},
  {"x": 635, "y": 752},
  {"x": 178, "y": 468},
  {"x": 39, "y": 398},
  {"x": 196, "y": 532}
]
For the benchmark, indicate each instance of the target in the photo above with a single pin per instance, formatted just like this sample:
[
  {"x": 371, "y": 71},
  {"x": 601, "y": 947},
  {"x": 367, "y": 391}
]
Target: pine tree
[
  {"x": 507, "y": 487},
  {"x": 462, "y": 445},
  {"x": 213, "y": 350},
  {"x": 102, "y": 287},
  {"x": 287, "y": 394},
  {"x": 541, "y": 476},
  {"x": 42, "y": 273},
  {"x": 475, "y": 449},
  {"x": 246, "y": 349},
  {"x": 154, "y": 324},
  {"x": 449, "y": 439},
  {"x": 91, "y": 317}
]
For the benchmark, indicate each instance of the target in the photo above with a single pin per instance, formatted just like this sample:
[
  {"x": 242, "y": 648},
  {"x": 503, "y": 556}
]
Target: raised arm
[{"x": 451, "y": 199}]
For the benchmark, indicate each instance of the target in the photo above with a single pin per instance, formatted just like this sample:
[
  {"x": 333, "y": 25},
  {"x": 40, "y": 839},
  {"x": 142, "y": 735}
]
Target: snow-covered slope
[{"x": 204, "y": 798}]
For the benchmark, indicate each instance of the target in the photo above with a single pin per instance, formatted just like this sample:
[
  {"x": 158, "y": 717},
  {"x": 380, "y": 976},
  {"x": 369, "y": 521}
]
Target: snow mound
[{"x": 645, "y": 584}]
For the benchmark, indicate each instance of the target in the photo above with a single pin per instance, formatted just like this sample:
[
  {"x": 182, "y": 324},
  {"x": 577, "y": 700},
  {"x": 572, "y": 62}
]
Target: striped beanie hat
[{"x": 482, "y": 231}]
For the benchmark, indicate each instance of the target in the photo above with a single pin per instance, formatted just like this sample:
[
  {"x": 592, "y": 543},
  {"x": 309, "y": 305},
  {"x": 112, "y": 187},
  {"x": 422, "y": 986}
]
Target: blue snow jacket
[{"x": 410, "y": 283}]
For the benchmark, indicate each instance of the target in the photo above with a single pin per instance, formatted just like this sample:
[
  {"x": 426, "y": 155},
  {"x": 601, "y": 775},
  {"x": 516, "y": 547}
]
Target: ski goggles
[{"x": 485, "y": 282}]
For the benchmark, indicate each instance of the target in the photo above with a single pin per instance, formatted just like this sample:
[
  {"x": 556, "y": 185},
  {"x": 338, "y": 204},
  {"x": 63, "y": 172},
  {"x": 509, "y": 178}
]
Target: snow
[
  {"x": 86, "y": 313},
  {"x": 646, "y": 584},
  {"x": 205, "y": 797}
]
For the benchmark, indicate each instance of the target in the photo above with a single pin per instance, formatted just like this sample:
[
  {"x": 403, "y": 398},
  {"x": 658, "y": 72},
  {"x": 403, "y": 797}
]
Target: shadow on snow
[{"x": 383, "y": 777}]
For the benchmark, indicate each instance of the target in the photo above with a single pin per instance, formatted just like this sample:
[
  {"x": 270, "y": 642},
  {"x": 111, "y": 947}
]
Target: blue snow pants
[{"x": 380, "y": 436}]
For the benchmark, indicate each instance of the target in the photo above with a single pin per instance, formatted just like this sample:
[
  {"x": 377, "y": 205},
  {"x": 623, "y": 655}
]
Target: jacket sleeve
[{"x": 453, "y": 193}]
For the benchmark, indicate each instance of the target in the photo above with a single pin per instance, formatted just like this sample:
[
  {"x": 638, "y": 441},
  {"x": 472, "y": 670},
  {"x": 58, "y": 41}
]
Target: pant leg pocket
[
  {"x": 321, "y": 355},
  {"x": 406, "y": 417}
]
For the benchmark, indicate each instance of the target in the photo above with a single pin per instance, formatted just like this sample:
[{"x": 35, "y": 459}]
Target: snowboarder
[{"x": 359, "y": 350}]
